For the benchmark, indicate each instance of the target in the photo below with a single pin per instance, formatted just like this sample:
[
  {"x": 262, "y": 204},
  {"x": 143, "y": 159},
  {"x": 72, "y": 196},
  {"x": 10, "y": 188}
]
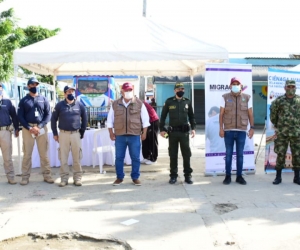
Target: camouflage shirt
[{"x": 285, "y": 115}]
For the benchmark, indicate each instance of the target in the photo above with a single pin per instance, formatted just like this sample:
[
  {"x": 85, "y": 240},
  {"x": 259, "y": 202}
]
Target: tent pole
[
  {"x": 192, "y": 80},
  {"x": 54, "y": 93},
  {"x": 19, "y": 171}
]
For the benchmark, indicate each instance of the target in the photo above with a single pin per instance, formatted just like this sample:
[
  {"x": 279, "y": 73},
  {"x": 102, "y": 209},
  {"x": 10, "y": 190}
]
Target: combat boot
[
  {"x": 278, "y": 177},
  {"x": 296, "y": 177},
  {"x": 11, "y": 180},
  {"x": 24, "y": 181}
]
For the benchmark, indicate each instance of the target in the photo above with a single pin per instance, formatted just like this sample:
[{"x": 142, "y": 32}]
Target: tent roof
[{"x": 131, "y": 47}]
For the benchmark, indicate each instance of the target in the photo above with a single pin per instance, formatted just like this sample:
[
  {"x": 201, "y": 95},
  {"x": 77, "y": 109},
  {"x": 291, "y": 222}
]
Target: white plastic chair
[{"x": 102, "y": 137}]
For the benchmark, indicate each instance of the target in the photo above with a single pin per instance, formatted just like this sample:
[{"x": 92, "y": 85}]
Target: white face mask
[
  {"x": 236, "y": 88},
  {"x": 128, "y": 95}
]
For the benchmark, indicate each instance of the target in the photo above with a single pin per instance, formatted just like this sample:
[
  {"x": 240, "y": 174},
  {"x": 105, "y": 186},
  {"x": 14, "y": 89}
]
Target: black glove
[{"x": 81, "y": 131}]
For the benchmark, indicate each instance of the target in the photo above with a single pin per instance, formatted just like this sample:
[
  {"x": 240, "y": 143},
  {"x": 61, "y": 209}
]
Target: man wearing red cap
[
  {"x": 235, "y": 115},
  {"x": 128, "y": 116}
]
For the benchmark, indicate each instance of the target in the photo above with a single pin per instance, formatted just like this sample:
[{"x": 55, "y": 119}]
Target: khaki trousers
[
  {"x": 6, "y": 149},
  {"x": 70, "y": 141},
  {"x": 42, "y": 145}
]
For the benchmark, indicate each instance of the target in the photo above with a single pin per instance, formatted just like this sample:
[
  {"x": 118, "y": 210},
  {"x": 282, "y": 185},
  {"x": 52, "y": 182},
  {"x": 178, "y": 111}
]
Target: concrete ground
[{"x": 205, "y": 215}]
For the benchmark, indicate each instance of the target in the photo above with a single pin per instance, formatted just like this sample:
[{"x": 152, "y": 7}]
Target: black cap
[
  {"x": 66, "y": 88},
  {"x": 33, "y": 80}
]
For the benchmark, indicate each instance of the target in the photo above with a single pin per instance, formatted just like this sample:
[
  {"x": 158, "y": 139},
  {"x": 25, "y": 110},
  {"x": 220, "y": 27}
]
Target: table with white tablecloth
[{"x": 87, "y": 151}]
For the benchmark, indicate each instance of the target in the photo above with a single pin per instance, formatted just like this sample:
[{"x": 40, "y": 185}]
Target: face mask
[
  {"x": 33, "y": 90},
  {"x": 1, "y": 92},
  {"x": 180, "y": 93},
  {"x": 290, "y": 91},
  {"x": 128, "y": 95},
  {"x": 70, "y": 97},
  {"x": 236, "y": 88}
]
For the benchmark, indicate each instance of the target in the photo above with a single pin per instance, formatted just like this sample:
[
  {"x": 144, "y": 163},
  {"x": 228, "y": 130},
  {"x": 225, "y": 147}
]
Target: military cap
[
  {"x": 290, "y": 82},
  {"x": 178, "y": 85}
]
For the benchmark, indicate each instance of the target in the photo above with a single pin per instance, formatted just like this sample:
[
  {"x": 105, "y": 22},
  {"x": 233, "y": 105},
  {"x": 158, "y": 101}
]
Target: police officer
[
  {"x": 34, "y": 114},
  {"x": 285, "y": 116},
  {"x": 180, "y": 111},
  {"x": 72, "y": 125},
  {"x": 8, "y": 117}
]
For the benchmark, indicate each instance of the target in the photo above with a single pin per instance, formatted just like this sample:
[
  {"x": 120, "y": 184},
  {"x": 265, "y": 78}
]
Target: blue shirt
[
  {"x": 71, "y": 117},
  {"x": 27, "y": 107},
  {"x": 8, "y": 114}
]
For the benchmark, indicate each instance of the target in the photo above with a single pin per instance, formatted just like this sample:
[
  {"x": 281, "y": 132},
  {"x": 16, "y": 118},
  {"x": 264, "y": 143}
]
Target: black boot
[
  {"x": 296, "y": 177},
  {"x": 188, "y": 180},
  {"x": 278, "y": 177}
]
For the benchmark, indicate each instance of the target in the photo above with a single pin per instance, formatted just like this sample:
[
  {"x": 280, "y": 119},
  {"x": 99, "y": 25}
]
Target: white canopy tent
[{"x": 136, "y": 46}]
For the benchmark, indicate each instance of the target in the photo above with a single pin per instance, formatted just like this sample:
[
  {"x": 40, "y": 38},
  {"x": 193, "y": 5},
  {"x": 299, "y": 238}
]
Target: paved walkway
[{"x": 205, "y": 215}]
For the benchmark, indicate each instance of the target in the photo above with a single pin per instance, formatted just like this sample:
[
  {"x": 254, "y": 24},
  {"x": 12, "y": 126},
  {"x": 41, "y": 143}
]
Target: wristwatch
[{"x": 252, "y": 127}]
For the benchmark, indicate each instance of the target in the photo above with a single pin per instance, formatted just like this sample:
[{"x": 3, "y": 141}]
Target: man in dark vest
[
  {"x": 130, "y": 120},
  {"x": 235, "y": 115}
]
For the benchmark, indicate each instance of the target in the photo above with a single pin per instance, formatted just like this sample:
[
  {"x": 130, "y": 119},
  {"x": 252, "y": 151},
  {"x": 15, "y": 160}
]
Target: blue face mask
[
  {"x": 33, "y": 90},
  {"x": 1, "y": 92},
  {"x": 236, "y": 88},
  {"x": 71, "y": 97}
]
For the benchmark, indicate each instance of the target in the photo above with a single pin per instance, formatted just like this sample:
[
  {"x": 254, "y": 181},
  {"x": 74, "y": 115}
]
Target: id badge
[{"x": 36, "y": 113}]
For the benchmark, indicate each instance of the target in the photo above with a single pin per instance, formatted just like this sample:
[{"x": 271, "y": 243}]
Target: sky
[{"x": 255, "y": 27}]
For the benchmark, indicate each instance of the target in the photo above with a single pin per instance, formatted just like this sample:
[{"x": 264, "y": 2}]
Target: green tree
[
  {"x": 35, "y": 34},
  {"x": 10, "y": 37}
]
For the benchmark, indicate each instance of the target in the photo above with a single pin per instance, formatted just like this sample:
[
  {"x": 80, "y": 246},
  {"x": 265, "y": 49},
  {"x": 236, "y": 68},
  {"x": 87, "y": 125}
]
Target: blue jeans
[
  {"x": 134, "y": 145},
  {"x": 239, "y": 137}
]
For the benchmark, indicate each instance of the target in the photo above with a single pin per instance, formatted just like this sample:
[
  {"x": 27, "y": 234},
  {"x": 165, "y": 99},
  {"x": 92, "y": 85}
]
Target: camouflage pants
[{"x": 281, "y": 145}]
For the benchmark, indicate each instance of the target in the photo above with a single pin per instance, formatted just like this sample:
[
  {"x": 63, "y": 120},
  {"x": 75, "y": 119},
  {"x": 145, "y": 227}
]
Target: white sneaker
[
  {"x": 148, "y": 162},
  {"x": 144, "y": 161}
]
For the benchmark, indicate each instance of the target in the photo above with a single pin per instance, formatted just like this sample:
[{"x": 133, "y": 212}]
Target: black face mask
[
  {"x": 33, "y": 90},
  {"x": 70, "y": 97},
  {"x": 180, "y": 93}
]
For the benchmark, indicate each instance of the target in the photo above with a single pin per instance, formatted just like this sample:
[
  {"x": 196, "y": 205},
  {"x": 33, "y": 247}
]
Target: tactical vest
[
  {"x": 127, "y": 121},
  {"x": 236, "y": 111}
]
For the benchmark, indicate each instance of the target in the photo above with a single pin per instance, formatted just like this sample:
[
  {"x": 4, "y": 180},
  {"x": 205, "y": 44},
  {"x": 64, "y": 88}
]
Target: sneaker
[
  {"x": 117, "y": 182},
  {"x": 148, "y": 162},
  {"x": 241, "y": 180},
  {"x": 11, "y": 181},
  {"x": 137, "y": 182},
  {"x": 48, "y": 179},
  {"x": 24, "y": 181},
  {"x": 63, "y": 183},
  {"x": 144, "y": 161},
  {"x": 78, "y": 183},
  {"x": 227, "y": 180},
  {"x": 172, "y": 180}
]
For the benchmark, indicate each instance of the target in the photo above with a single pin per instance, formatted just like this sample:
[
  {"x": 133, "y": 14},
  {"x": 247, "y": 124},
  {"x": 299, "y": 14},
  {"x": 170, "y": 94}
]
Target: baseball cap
[
  {"x": 234, "y": 79},
  {"x": 127, "y": 86},
  {"x": 290, "y": 82},
  {"x": 33, "y": 80},
  {"x": 66, "y": 88},
  {"x": 178, "y": 85}
]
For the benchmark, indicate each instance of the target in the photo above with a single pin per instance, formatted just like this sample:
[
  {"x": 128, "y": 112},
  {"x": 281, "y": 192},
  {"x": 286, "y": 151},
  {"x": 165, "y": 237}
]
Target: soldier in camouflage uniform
[
  {"x": 285, "y": 116},
  {"x": 180, "y": 111}
]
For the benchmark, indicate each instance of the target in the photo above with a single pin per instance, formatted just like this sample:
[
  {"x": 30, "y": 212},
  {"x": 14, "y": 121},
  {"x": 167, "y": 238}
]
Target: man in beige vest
[
  {"x": 130, "y": 120},
  {"x": 235, "y": 115}
]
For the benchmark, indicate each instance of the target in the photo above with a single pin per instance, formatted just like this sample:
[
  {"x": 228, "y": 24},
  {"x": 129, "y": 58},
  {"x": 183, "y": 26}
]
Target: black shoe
[
  {"x": 277, "y": 181},
  {"x": 172, "y": 180},
  {"x": 296, "y": 177},
  {"x": 240, "y": 180},
  {"x": 227, "y": 180},
  {"x": 188, "y": 180}
]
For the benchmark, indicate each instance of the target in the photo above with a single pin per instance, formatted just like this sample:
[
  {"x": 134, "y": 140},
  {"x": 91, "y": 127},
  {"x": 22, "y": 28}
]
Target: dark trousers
[
  {"x": 150, "y": 144},
  {"x": 183, "y": 139}
]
